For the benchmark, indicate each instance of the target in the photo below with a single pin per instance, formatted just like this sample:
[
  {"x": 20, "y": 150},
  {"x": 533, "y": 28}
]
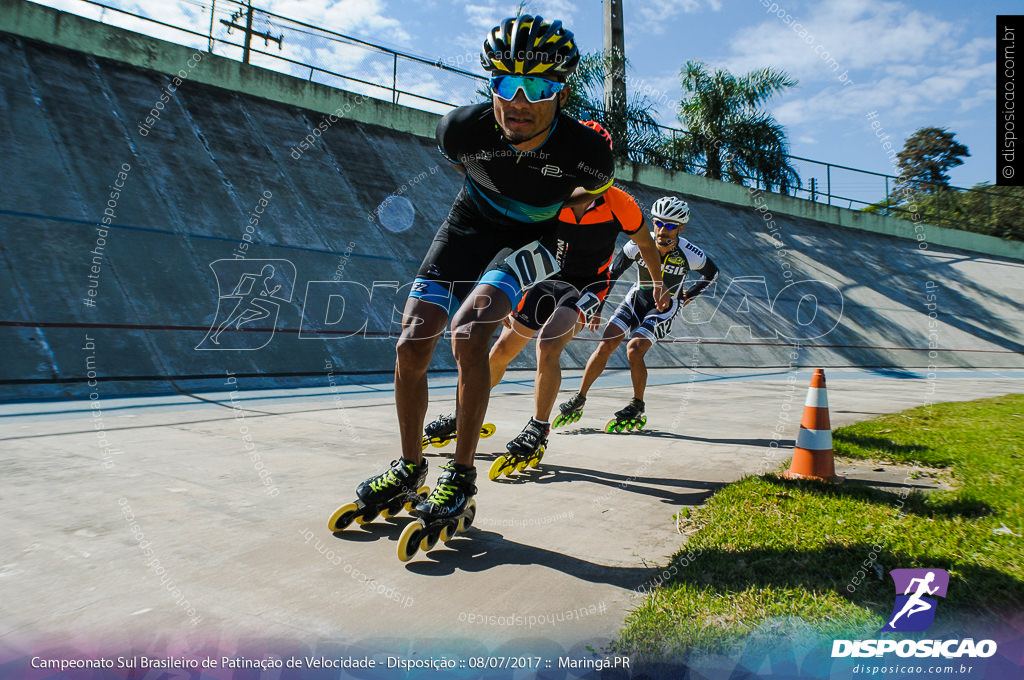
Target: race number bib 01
[
  {"x": 532, "y": 264},
  {"x": 588, "y": 305}
]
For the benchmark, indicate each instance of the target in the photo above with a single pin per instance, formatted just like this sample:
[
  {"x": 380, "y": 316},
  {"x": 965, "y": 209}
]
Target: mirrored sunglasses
[{"x": 535, "y": 89}]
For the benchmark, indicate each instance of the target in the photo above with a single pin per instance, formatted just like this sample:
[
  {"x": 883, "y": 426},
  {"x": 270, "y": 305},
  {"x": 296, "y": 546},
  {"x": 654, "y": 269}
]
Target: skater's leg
[
  {"x": 563, "y": 325},
  {"x": 510, "y": 343},
  {"x": 422, "y": 324},
  {"x": 613, "y": 336},
  {"x": 636, "y": 349},
  {"x": 472, "y": 329}
]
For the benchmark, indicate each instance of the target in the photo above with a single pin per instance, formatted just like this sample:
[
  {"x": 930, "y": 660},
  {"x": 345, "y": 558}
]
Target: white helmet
[{"x": 671, "y": 209}]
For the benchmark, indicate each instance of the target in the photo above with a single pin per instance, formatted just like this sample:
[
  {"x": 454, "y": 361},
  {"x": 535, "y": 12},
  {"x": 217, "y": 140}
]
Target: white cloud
[{"x": 656, "y": 15}]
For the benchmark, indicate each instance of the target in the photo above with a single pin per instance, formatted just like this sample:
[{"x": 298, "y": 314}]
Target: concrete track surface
[{"x": 158, "y": 526}]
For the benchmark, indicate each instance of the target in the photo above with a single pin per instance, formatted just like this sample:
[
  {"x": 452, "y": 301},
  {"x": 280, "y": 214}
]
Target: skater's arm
[
  {"x": 652, "y": 258},
  {"x": 709, "y": 272}
]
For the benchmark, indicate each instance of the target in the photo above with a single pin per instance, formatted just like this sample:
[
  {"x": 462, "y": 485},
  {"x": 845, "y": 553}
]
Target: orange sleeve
[{"x": 625, "y": 209}]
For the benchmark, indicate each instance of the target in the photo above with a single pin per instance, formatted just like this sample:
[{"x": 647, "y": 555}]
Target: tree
[
  {"x": 927, "y": 155},
  {"x": 729, "y": 134},
  {"x": 634, "y": 134}
]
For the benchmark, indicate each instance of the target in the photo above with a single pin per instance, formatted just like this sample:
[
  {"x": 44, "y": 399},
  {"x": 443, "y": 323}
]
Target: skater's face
[
  {"x": 522, "y": 121},
  {"x": 665, "y": 237}
]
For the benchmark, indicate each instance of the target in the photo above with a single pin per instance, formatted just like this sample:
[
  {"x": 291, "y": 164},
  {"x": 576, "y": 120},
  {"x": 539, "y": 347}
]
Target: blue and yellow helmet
[{"x": 529, "y": 46}]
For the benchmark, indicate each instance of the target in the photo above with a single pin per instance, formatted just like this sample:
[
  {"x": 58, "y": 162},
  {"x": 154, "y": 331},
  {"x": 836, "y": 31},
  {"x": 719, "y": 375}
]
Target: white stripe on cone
[
  {"x": 814, "y": 440},
  {"x": 817, "y": 397}
]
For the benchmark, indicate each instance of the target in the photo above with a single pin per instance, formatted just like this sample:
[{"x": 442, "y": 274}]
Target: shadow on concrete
[
  {"x": 695, "y": 493},
  {"x": 659, "y": 434},
  {"x": 480, "y": 550}
]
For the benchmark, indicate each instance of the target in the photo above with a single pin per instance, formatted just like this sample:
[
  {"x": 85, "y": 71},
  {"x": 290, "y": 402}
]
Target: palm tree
[
  {"x": 633, "y": 134},
  {"x": 728, "y": 134}
]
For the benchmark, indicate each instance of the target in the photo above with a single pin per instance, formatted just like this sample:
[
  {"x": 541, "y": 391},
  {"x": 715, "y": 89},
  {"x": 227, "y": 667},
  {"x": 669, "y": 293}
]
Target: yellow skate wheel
[
  {"x": 366, "y": 518},
  {"x": 535, "y": 461},
  {"x": 496, "y": 468},
  {"x": 409, "y": 541},
  {"x": 390, "y": 511},
  {"x": 421, "y": 494},
  {"x": 487, "y": 430},
  {"x": 447, "y": 535},
  {"x": 428, "y": 542},
  {"x": 342, "y": 517},
  {"x": 466, "y": 521},
  {"x": 521, "y": 465}
]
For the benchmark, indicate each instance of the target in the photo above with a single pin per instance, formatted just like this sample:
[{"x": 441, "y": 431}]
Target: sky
[{"x": 870, "y": 72}]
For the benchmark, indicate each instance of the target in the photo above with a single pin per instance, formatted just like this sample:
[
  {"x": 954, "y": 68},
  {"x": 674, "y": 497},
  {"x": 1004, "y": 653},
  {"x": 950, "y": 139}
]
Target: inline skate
[
  {"x": 449, "y": 510},
  {"x": 441, "y": 431},
  {"x": 571, "y": 411},
  {"x": 628, "y": 419},
  {"x": 399, "y": 486},
  {"x": 526, "y": 449}
]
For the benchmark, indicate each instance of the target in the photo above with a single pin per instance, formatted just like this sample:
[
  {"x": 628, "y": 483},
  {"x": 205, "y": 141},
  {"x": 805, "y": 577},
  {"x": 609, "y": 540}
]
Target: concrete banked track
[{"x": 191, "y": 186}]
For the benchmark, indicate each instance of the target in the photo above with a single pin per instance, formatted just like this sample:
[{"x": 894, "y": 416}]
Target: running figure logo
[
  {"x": 914, "y": 610},
  {"x": 250, "y": 293}
]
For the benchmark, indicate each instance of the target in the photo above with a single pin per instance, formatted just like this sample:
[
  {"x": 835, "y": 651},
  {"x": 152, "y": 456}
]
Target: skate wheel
[
  {"x": 342, "y": 517},
  {"x": 576, "y": 417},
  {"x": 409, "y": 541},
  {"x": 426, "y": 442},
  {"x": 421, "y": 495},
  {"x": 496, "y": 468},
  {"x": 521, "y": 465},
  {"x": 558, "y": 422},
  {"x": 429, "y": 541},
  {"x": 487, "y": 430},
  {"x": 466, "y": 521},
  {"x": 440, "y": 444},
  {"x": 366, "y": 517},
  {"x": 611, "y": 426},
  {"x": 643, "y": 421},
  {"x": 390, "y": 511}
]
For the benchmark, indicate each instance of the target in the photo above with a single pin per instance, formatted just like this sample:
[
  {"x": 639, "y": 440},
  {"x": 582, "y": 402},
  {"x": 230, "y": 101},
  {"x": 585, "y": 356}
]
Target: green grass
[{"x": 773, "y": 555}]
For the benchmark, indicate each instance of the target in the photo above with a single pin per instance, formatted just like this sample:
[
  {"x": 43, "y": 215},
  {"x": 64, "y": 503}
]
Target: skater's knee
[
  {"x": 635, "y": 351},
  {"x": 412, "y": 351}
]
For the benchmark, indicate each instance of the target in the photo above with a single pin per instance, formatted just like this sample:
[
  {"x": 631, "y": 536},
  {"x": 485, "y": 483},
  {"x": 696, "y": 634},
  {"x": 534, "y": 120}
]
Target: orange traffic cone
[{"x": 812, "y": 455}]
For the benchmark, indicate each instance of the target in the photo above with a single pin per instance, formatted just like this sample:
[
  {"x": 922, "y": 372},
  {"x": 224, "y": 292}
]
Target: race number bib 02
[
  {"x": 532, "y": 264},
  {"x": 588, "y": 305}
]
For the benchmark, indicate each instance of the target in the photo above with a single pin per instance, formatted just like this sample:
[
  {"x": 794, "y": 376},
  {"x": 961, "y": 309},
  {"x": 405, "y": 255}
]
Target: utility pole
[
  {"x": 248, "y": 30},
  {"x": 615, "y": 63}
]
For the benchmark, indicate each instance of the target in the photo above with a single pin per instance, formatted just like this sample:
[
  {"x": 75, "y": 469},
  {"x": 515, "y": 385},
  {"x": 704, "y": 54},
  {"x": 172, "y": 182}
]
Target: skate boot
[
  {"x": 441, "y": 431},
  {"x": 401, "y": 485},
  {"x": 526, "y": 449},
  {"x": 628, "y": 419},
  {"x": 571, "y": 411},
  {"x": 448, "y": 511}
]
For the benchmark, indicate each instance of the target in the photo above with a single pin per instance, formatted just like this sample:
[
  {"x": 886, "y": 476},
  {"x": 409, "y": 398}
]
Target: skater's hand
[
  {"x": 662, "y": 299},
  {"x": 595, "y": 322}
]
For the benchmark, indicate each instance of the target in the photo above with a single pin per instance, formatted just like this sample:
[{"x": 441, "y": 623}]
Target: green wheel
[
  {"x": 576, "y": 416},
  {"x": 643, "y": 421},
  {"x": 342, "y": 517},
  {"x": 559, "y": 421},
  {"x": 409, "y": 541}
]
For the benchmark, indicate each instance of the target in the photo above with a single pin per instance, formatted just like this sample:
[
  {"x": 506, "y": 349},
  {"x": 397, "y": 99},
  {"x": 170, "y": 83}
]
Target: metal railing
[{"x": 335, "y": 59}]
